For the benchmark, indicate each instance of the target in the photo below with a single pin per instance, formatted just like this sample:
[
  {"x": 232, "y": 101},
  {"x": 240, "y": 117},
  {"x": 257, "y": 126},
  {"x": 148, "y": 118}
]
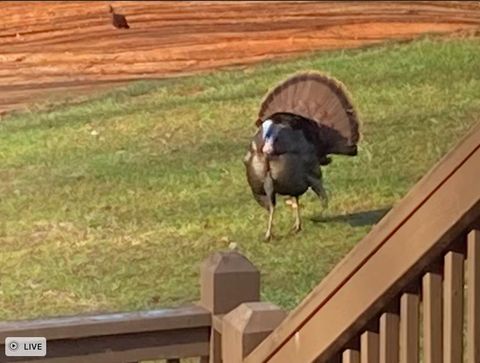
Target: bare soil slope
[{"x": 61, "y": 48}]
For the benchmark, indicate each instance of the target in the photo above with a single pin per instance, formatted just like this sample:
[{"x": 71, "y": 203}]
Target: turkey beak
[{"x": 268, "y": 147}]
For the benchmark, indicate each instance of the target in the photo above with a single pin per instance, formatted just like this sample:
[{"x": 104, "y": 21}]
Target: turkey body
[
  {"x": 301, "y": 121},
  {"x": 290, "y": 169}
]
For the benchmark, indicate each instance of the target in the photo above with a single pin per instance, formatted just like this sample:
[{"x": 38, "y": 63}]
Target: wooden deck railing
[
  {"x": 126, "y": 337},
  {"x": 228, "y": 279},
  {"x": 368, "y": 308}
]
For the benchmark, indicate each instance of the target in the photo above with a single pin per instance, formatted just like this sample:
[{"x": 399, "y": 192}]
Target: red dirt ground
[{"x": 64, "y": 48}]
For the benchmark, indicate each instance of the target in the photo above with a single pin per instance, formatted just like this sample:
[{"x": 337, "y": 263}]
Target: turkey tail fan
[{"x": 321, "y": 99}]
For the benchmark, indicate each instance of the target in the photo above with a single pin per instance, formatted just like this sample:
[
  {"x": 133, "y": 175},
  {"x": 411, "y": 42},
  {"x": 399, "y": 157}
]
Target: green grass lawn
[{"x": 112, "y": 203}]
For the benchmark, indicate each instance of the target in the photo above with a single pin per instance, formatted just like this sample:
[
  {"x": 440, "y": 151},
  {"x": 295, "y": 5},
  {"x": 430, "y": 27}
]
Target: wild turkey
[
  {"x": 118, "y": 20},
  {"x": 301, "y": 121}
]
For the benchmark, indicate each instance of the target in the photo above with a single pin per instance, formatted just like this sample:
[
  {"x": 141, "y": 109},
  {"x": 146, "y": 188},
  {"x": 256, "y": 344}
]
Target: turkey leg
[
  {"x": 296, "y": 207},
  {"x": 317, "y": 187},
  {"x": 268, "y": 186}
]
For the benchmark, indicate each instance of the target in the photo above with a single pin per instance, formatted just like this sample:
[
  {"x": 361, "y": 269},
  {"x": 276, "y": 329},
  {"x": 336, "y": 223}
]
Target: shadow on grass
[{"x": 358, "y": 219}]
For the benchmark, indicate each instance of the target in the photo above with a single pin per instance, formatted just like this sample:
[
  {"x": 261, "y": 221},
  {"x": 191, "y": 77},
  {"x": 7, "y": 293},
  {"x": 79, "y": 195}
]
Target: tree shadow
[{"x": 358, "y": 219}]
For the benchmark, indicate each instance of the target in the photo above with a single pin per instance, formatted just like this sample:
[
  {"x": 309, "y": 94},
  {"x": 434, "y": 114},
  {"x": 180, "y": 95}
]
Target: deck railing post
[
  {"x": 247, "y": 326},
  {"x": 228, "y": 279}
]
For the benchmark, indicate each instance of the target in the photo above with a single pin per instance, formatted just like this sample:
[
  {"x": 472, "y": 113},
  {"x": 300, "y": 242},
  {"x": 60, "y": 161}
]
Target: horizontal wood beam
[
  {"x": 83, "y": 326},
  {"x": 113, "y": 338},
  {"x": 182, "y": 343}
]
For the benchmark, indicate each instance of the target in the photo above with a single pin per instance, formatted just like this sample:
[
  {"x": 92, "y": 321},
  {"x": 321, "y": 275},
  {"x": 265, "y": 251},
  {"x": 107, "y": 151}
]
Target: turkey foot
[{"x": 268, "y": 236}]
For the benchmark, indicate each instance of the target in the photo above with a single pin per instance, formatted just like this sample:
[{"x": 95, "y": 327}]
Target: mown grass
[{"x": 112, "y": 203}]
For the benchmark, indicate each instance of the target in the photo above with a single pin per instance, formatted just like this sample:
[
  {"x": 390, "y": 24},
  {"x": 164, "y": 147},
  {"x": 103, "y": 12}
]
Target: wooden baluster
[
  {"x": 369, "y": 347},
  {"x": 409, "y": 328},
  {"x": 351, "y": 356},
  {"x": 389, "y": 338},
  {"x": 432, "y": 317},
  {"x": 473, "y": 297},
  {"x": 453, "y": 308}
]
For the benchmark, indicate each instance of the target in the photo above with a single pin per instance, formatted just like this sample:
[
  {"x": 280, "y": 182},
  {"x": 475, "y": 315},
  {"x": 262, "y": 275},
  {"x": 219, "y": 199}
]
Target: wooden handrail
[
  {"x": 120, "y": 337},
  {"x": 433, "y": 213},
  {"x": 81, "y": 326}
]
